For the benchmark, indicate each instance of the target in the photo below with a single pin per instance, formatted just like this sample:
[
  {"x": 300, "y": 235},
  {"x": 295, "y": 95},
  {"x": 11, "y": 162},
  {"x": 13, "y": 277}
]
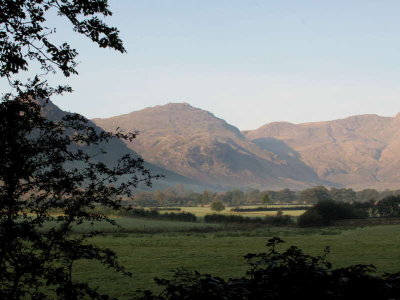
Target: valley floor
[{"x": 167, "y": 245}]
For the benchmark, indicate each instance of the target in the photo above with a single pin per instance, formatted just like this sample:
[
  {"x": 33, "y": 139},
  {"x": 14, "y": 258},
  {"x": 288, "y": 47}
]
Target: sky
[{"x": 248, "y": 62}]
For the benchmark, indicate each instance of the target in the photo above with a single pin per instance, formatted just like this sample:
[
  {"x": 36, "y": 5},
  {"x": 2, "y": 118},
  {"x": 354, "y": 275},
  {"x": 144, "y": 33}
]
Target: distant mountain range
[{"x": 358, "y": 152}]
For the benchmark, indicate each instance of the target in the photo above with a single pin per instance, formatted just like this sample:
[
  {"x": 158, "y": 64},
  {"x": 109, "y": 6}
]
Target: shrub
[
  {"x": 389, "y": 207},
  {"x": 154, "y": 214},
  {"x": 241, "y": 209},
  {"x": 269, "y": 220},
  {"x": 324, "y": 212},
  {"x": 217, "y": 206},
  {"x": 331, "y": 210},
  {"x": 310, "y": 218},
  {"x": 217, "y": 218},
  {"x": 278, "y": 220}
]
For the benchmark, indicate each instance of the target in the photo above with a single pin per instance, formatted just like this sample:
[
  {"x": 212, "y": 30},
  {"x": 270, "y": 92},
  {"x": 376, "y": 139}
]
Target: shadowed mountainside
[
  {"x": 198, "y": 145},
  {"x": 116, "y": 149},
  {"x": 359, "y": 151}
]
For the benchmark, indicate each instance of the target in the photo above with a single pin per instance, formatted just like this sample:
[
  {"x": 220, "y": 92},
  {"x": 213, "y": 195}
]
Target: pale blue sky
[{"x": 248, "y": 61}]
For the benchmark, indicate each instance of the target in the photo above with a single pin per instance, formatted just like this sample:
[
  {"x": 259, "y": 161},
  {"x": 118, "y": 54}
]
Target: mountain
[
  {"x": 200, "y": 146},
  {"x": 359, "y": 151},
  {"x": 116, "y": 148}
]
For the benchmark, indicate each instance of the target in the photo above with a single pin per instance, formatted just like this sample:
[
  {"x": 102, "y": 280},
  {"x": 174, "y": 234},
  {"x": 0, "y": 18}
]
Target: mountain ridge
[
  {"x": 347, "y": 151},
  {"x": 356, "y": 151},
  {"x": 199, "y": 145},
  {"x": 116, "y": 149}
]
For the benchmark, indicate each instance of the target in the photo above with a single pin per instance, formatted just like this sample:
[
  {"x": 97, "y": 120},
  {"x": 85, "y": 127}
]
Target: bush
[
  {"x": 240, "y": 209},
  {"x": 154, "y": 214},
  {"x": 269, "y": 220},
  {"x": 331, "y": 210},
  {"x": 278, "y": 220},
  {"x": 324, "y": 212},
  {"x": 310, "y": 218},
  {"x": 216, "y": 218},
  {"x": 168, "y": 208},
  {"x": 217, "y": 206},
  {"x": 389, "y": 207}
]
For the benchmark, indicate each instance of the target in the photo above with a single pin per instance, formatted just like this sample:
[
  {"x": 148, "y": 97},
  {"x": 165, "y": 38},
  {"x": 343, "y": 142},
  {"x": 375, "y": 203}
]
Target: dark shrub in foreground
[{"x": 275, "y": 275}]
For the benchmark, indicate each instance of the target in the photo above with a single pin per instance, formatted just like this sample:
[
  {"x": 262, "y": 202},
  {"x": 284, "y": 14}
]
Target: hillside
[
  {"x": 116, "y": 149},
  {"x": 198, "y": 145},
  {"x": 359, "y": 151}
]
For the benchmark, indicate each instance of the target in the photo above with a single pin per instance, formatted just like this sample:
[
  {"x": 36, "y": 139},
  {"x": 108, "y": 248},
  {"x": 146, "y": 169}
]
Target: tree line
[{"x": 178, "y": 196}]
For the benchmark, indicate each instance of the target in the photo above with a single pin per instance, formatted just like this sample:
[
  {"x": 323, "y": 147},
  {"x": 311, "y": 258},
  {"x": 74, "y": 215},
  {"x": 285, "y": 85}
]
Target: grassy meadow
[
  {"x": 138, "y": 225},
  {"x": 201, "y": 211},
  {"x": 150, "y": 248}
]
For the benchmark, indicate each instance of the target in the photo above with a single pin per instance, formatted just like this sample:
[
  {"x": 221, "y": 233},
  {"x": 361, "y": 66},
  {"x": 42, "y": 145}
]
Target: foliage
[
  {"x": 43, "y": 164},
  {"x": 265, "y": 199},
  {"x": 343, "y": 195},
  {"x": 310, "y": 218},
  {"x": 217, "y": 206},
  {"x": 367, "y": 195},
  {"x": 268, "y": 220},
  {"x": 154, "y": 214},
  {"x": 44, "y": 168},
  {"x": 288, "y": 274},
  {"x": 178, "y": 196},
  {"x": 389, "y": 207},
  {"x": 327, "y": 211},
  {"x": 25, "y": 37},
  {"x": 313, "y": 195},
  {"x": 367, "y": 209},
  {"x": 245, "y": 209}
]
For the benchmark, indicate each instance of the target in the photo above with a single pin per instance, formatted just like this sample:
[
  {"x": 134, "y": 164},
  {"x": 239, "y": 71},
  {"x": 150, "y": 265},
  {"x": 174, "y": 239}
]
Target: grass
[
  {"x": 138, "y": 225},
  {"x": 200, "y": 211},
  {"x": 221, "y": 253}
]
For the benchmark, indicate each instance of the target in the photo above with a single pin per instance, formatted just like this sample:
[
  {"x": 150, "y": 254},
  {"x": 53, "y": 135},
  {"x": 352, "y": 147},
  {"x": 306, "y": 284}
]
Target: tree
[
  {"x": 389, "y": 207},
  {"x": 327, "y": 211},
  {"x": 159, "y": 196},
  {"x": 265, "y": 199},
  {"x": 282, "y": 196},
  {"x": 313, "y": 195},
  {"x": 25, "y": 35},
  {"x": 42, "y": 168},
  {"x": 343, "y": 195},
  {"x": 217, "y": 206},
  {"x": 44, "y": 165},
  {"x": 252, "y": 196},
  {"x": 367, "y": 195}
]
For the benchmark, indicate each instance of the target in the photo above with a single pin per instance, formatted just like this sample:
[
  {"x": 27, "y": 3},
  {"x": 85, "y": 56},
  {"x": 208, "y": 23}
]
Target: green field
[
  {"x": 137, "y": 225},
  {"x": 151, "y": 254}
]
